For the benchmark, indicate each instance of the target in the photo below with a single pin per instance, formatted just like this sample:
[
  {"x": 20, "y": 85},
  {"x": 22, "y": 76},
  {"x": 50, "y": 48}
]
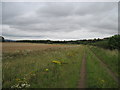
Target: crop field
[{"x": 30, "y": 65}]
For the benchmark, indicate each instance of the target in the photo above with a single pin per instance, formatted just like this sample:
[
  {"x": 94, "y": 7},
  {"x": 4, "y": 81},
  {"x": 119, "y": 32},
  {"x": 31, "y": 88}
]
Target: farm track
[
  {"x": 82, "y": 82},
  {"x": 113, "y": 75}
]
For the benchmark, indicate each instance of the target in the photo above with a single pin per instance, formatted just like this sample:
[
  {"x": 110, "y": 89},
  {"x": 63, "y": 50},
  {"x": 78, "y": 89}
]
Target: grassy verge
[
  {"x": 35, "y": 69},
  {"x": 110, "y": 57},
  {"x": 97, "y": 77}
]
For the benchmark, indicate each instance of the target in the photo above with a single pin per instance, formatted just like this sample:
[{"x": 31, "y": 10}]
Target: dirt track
[{"x": 82, "y": 81}]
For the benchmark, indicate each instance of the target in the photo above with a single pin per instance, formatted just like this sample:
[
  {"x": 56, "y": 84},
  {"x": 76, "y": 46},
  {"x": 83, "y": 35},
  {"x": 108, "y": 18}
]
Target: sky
[{"x": 59, "y": 20}]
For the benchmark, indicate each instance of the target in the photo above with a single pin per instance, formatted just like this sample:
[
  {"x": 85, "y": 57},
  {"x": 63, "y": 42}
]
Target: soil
[{"x": 83, "y": 74}]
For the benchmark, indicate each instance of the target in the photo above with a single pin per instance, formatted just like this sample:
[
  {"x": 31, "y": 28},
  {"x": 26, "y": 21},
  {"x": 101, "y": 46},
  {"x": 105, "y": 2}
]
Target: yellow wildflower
[
  {"x": 56, "y": 62},
  {"x": 46, "y": 69}
]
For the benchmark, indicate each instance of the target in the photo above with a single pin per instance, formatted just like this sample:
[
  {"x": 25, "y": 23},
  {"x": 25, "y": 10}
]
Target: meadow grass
[
  {"x": 97, "y": 76},
  {"x": 26, "y": 65},
  {"x": 34, "y": 68},
  {"x": 109, "y": 57}
]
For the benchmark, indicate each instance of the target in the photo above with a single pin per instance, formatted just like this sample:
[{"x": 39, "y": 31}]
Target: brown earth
[{"x": 82, "y": 81}]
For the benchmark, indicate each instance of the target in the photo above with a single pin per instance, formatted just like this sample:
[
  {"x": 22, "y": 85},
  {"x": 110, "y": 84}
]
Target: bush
[{"x": 114, "y": 42}]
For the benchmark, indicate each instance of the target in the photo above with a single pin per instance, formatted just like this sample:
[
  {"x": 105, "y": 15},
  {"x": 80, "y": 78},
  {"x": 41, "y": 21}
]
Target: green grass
[
  {"x": 103, "y": 44},
  {"x": 110, "y": 57},
  {"x": 35, "y": 67},
  {"x": 97, "y": 76},
  {"x": 30, "y": 67}
]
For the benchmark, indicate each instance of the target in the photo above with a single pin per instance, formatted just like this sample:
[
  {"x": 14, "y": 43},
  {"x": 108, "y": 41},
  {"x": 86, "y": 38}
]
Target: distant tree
[
  {"x": 98, "y": 39},
  {"x": 2, "y": 39},
  {"x": 114, "y": 42}
]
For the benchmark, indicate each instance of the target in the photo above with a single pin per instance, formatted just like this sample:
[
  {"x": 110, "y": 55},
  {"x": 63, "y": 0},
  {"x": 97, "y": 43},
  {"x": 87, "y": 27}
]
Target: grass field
[
  {"x": 109, "y": 57},
  {"x": 26, "y": 65},
  {"x": 97, "y": 76}
]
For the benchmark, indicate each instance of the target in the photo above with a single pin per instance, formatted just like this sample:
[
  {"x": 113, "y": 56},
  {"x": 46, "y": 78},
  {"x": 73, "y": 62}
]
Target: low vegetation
[
  {"x": 109, "y": 57},
  {"x": 97, "y": 76},
  {"x": 52, "y": 67},
  {"x": 30, "y": 65}
]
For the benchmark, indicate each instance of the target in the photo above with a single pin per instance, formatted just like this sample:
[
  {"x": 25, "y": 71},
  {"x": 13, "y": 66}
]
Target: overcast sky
[{"x": 59, "y": 21}]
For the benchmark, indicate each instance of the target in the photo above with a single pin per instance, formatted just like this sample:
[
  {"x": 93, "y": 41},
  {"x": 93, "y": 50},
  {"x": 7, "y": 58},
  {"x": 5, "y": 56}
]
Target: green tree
[
  {"x": 2, "y": 39},
  {"x": 114, "y": 42}
]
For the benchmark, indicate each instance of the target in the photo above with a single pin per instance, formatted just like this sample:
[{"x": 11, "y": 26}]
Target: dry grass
[
  {"x": 31, "y": 66},
  {"x": 13, "y": 47},
  {"x": 30, "y": 61}
]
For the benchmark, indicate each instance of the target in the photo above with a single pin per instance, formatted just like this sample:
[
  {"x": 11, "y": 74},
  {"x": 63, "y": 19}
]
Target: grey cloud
[
  {"x": 56, "y": 10},
  {"x": 10, "y": 11},
  {"x": 59, "y": 20},
  {"x": 95, "y": 8}
]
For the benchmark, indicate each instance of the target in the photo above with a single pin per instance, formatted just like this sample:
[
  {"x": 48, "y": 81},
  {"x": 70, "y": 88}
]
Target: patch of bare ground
[{"x": 82, "y": 81}]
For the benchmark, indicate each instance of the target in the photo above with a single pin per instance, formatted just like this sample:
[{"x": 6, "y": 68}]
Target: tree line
[
  {"x": 109, "y": 42},
  {"x": 61, "y": 42}
]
